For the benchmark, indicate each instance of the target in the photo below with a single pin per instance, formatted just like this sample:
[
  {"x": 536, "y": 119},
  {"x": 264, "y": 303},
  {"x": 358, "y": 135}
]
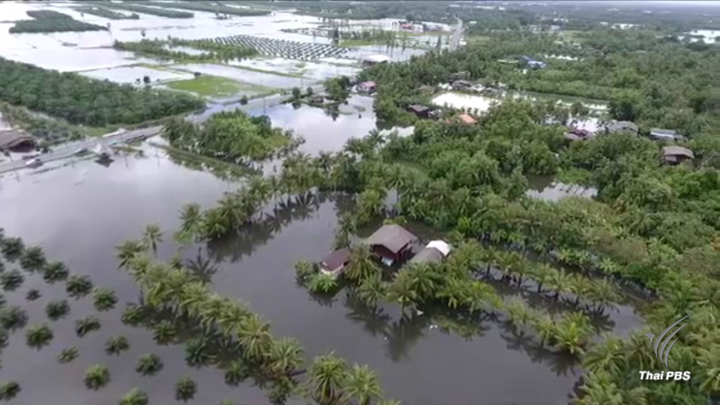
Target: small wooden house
[
  {"x": 677, "y": 154},
  {"x": 334, "y": 263},
  {"x": 435, "y": 252},
  {"x": 392, "y": 244}
]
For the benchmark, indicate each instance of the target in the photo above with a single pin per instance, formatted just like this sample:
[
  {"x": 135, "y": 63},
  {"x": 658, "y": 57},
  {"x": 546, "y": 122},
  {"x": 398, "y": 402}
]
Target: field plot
[
  {"x": 247, "y": 76},
  {"x": 310, "y": 70},
  {"x": 135, "y": 74},
  {"x": 217, "y": 87},
  {"x": 283, "y": 48}
]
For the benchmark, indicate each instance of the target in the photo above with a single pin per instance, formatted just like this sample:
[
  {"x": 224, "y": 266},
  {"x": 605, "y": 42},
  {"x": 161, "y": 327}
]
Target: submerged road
[{"x": 71, "y": 148}]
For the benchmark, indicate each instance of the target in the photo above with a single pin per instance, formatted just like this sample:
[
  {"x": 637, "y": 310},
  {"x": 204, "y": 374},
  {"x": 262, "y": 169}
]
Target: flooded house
[
  {"x": 16, "y": 139},
  {"x": 367, "y": 87},
  {"x": 578, "y": 134},
  {"x": 392, "y": 244},
  {"x": 462, "y": 85},
  {"x": 419, "y": 110},
  {"x": 665, "y": 134},
  {"x": 621, "y": 126},
  {"x": 334, "y": 263},
  {"x": 373, "y": 60},
  {"x": 673, "y": 155},
  {"x": 434, "y": 252}
]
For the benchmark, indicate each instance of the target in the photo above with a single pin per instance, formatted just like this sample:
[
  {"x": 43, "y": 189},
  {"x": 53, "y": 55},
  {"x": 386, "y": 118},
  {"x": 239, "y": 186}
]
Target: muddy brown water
[{"x": 78, "y": 213}]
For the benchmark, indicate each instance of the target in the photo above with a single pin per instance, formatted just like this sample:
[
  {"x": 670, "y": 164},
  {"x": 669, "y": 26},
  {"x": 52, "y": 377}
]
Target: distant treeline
[
  {"x": 106, "y": 13},
  {"x": 162, "y": 12},
  {"x": 212, "y": 8},
  {"x": 52, "y": 21},
  {"x": 81, "y": 100},
  {"x": 163, "y": 49}
]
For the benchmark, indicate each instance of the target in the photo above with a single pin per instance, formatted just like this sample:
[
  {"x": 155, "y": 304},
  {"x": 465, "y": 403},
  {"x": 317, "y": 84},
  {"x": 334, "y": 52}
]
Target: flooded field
[
  {"x": 243, "y": 75},
  {"x": 135, "y": 74},
  {"x": 310, "y": 70},
  {"x": 101, "y": 207}
]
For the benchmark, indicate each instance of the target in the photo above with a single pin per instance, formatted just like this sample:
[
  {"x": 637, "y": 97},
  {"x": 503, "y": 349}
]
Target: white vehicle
[{"x": 33, "y": 162}]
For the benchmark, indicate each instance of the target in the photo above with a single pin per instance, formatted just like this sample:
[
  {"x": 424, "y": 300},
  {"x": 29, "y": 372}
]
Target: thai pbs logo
[{"x": 662, "y": 352}]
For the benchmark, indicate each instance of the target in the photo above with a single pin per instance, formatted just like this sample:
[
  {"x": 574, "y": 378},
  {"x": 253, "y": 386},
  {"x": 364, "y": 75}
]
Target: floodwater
[
  {"x": 310, "y": 70},
  {"x": 79, "y": 212},
  {"x": 546, "y": 188},
  {"x": 483, "y": 103},
  {"x": 243, "y": 75},
  {"x": 130, "y": 74}
]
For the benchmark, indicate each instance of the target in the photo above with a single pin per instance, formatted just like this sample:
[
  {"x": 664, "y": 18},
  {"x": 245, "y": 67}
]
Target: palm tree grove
[{"x": 360, "y": 203}]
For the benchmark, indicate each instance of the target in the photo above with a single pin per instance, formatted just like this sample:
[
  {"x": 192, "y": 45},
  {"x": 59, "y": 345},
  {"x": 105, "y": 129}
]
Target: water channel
[{"x": 80, "y": 211}]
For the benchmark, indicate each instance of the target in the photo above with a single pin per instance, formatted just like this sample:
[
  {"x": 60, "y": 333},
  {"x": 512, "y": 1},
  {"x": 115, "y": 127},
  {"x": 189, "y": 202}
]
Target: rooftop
[
  {"x": 428, "y": 255},
  {"x": 393, "y": 237},
  {"x": 12, "y": 138},
  {"x": 336, "y": 259},
  {"x": 376, "y": 58},
  {"x": 678, "y": 151},
  {"x": 466, "y": 119}
]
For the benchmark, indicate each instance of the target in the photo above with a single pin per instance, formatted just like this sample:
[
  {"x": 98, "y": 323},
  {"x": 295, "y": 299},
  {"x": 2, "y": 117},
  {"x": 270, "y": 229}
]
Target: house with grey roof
[
  {"x": 621, "y": 126},
  {"x": 391, "y": 244},
  {"x": 676, "y": 154},
  {"x": 434, "y": 252},
  {"x": 10, "y": 139},
  {"x": 665, "y": 134}
]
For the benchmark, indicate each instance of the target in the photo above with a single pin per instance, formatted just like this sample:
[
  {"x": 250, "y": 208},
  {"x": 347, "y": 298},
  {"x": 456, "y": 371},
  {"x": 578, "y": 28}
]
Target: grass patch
[
  {"x": 214, "y": 86},
  {"x": 252, "y": 69},
  {"x": 350, "y": 43},
  {"x": 477, "y": 39},
  {"x": 238, "y": 170}
]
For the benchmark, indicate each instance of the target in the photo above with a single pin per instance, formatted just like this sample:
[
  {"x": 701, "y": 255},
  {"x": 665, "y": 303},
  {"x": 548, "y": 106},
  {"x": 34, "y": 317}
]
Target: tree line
[
  {"x": 161, "y": 12},
  {"x": 80, "y": 100},
  {"x": 106, "y": 13},
  {"x": 232, "y": 136},
  {"x": 51, "y": 21},
  {"x": 213, "y": 8},
  {"x": 163, "y": 49}
]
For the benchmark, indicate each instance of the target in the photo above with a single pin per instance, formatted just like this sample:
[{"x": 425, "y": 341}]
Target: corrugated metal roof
[{"x": 393, "y": 237}]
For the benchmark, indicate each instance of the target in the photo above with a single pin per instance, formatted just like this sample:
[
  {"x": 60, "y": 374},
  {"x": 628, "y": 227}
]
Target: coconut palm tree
[
  {"x": 285, "y": 356},
  {"x": 185, "y": 389},
  {"x": 322, "y": 283},
  {"x": 197, "y": 352},
  {"x": 192, "y": 223},
  {"x": 559, "y": 282},
  {"x": 12, "y": 248},
  {"x": 68, "y": 355},
  {"x": 362, "y": 265},
  {"x": 54, "y": 272},
  {"x": 236, "y": 373},
  {"x": 135, "y": 397},
  {"x": 402, "y": 290},
  {"x": 33, "y": 295},
  {"x": 255, "y": 338},
  {"x": 33, "y": 259},
  {"x": 97, "y": 377},
  {"x": 39, "y": 336},
  {"x": 362, "y": 385},
  {"x": 149, "y": 364},
  {"x": 326, "y": 378},
  {"x": 128, "y": 250},
  {"x": 602, "y": 294},
  {"x": 12, "y": 318},
  {"x": 78, "y": 286},
  {"x": 57, "y": 309},
  {"x": 599, "y": 389},
  {"x": 133, "y": 315},
  {"x": 164, "y": 332},
  {"x": 544, "y": 326},
  {"x": 11, "y": 280},
  {"x": 9, "y": 390},
  {"x": 104, "y": 299},
  {"x": 116, "y": 345},
  {"x": 303, "y": 270},
  {"x": 85, "y": 325},
  {"x": 425, "y": 280},
  {"x": 579, "y": 286},
  {"x": 372, "y": 290},
  {"x": 606, "y": 356},
  {"x": 152, "y": 236}
]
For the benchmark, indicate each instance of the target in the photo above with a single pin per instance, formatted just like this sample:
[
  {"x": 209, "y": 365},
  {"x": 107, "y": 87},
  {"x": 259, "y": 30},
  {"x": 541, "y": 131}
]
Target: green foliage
[
  {"x": 11, "y": 280},
  {"x": 54, "y": 272},
  {"x": 216, "y": 8},
  {"x": 104, "y": 299},
  {"x": 12, "y": 317},
  {"x": 148, "y": 10},
  {"x": 57, "y": 309},
  {"x": 116, "y": 345},
  {"x": 12, "y": 248},
  {"x": 185, "y": 389},
  {"x": 304, "y": 270},
  {"x": 149, "y": 364},
  {"x": 232, "y": 136},
  {"x": 97, "y": 377},
  {"x": 81, "y": 100},
  {"x": 68, "y": 355},
  {"x": 9, "y": 390},
  {"x": 85, "y": 325},
  {"x": 163, "y": 49},
  {"x": 39, "y": 336},
  {"x": 78, "y": 286},
  {"x": 52, "y": 21},
  {"x": 236, "y": 373},
  {"x": 322, "y": 283},
  {"x": 135, "y": 397},
  {"x": 106, "y": 13},
  {"x": 33, "y": 259}
]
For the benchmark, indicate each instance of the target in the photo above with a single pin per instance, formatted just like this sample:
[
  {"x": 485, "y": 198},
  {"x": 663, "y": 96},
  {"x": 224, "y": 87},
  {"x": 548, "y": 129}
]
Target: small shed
[
  {"x": 391, "y": 243},
  {"x": 665, "y": 134},
  {"x": 677, "y": 154},
  {"x": 578, "y": 134},
  {"x": 334, "y": 263},
  {"x": 621, "y": 126},
  {"x": 419, "y": 110},
  {"x": 461, "y": 85},
  {"x": 435, "y": 252}
]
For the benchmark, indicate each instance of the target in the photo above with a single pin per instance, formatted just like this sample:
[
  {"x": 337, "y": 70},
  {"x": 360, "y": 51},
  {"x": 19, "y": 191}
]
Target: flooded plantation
[{"x": 79, "y": 212}]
